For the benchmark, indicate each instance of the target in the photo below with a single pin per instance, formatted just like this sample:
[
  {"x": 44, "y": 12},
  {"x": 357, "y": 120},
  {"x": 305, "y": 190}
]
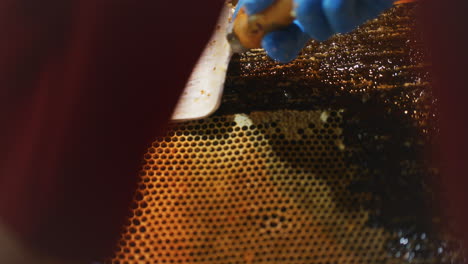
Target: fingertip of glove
[
  {"x": 256, "y": 6},
  {"x": 284, "y": 45},
  {"x": 341, "y": 15},
  {"x": 313, "y": 20}
]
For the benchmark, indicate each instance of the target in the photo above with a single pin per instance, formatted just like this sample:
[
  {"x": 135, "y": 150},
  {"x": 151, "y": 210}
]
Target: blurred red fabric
[
  {"x": 85, "y": 86},
  {"x": 445, "y": 32}
]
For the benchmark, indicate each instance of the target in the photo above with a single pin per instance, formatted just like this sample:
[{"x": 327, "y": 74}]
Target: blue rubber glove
[{"x": 317, "y": 19}]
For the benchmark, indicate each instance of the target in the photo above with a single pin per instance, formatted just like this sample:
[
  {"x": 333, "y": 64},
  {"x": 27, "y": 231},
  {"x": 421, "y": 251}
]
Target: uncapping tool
[{"x": 202, "y": 94}]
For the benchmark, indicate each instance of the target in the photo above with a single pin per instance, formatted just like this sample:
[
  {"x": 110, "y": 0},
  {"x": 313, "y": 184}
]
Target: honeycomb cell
[{"x": 222, "y": 213}]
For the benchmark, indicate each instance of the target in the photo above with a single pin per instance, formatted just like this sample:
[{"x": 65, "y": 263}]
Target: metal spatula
[{"x": 202, "y": 94}]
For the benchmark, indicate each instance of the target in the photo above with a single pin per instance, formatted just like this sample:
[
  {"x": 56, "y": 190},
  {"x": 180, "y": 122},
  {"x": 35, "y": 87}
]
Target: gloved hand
[{"x": 317, "y": 19}]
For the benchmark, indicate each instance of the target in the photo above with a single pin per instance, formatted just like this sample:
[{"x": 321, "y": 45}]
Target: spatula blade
[{"x": 202, "y": 94}]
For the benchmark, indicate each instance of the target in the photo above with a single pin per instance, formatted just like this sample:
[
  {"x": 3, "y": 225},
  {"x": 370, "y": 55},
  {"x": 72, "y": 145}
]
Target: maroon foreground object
[
  {"x": 446, "y": 35},
  {"x": 85, "y": 86}
]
